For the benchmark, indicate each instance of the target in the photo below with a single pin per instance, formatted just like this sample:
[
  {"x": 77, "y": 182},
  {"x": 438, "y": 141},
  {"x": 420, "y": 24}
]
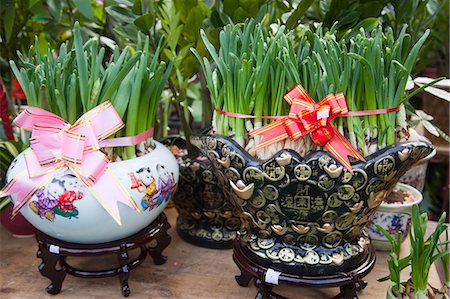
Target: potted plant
[
  {"x": 445, "y": 262},
  {"x": 304, "y": 210},
  {"x": 65, "y": 183},
  {"x": 421, "y": 124},
  {"x": 394, "y": 215},
  {"x": 18, "y": 226},
  {"x": 205, "y": 217},
  {"x": 425, "y": 251}
]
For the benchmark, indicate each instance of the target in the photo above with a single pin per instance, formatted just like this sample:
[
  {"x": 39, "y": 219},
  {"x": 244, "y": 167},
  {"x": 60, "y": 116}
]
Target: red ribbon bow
[{"x": 309, "y": 117}]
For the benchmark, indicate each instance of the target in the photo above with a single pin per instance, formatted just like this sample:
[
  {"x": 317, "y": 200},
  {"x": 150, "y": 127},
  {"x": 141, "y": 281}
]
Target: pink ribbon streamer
[
  {"x": 126, "y": 141},
  {"x": 55, "y": 144}
]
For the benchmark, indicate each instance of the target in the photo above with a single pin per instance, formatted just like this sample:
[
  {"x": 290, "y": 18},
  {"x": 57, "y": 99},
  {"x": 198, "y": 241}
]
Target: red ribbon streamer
[
  {"x": 239, "y": 115},
  {"x": 349, "y": 113},
  {"x": 309, "y": 117},
  {"x": 372, "y": 112}
]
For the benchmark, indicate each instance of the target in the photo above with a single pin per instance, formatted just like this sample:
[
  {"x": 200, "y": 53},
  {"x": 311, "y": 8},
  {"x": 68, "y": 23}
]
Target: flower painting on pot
[
  {"x": 306, "y": 139},
  {"x": 92, "y": 173}
]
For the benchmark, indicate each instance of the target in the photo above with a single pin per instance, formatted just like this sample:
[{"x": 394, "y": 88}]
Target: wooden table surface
[{"x": 190, "y": 272}]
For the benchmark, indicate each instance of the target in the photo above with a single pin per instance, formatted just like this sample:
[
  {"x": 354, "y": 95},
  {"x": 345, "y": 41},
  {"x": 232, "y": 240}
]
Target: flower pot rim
[
  {"x": 404, "y": 187},
  {"x": 153, "y": 149},
  {"x": 247, "y": 155},
  {"x": 390, "y": 292}
]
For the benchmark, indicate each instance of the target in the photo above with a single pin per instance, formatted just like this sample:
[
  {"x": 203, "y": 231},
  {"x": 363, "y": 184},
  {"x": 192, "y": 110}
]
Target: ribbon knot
[
  {"x": 313, "y": 117},
  {"x": 56, "y": 144},
  {"x": 307, "y": 117},
  {"x": 322, "y": 136}
]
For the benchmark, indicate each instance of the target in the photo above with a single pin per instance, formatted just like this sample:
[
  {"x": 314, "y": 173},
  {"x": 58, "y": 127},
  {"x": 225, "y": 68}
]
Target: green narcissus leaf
[
  {"x": 137, "y": 7},
  {"x": 121, "y": 14},
  {"x": 84, "y": 6},
  {"x": 55, "y": 9},
  {"x": 145, "y": 22},
  {"x": 78, "y": 79},
  {"x": 298, "y": 13},
  {"x": 9, "y": 17}
]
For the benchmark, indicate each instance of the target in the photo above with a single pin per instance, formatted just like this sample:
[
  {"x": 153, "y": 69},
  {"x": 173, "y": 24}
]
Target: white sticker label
[
  {"x": 53, "y": 249},
  {"x": 323, "y": 113},
  {"x": 272, "y": 276}
]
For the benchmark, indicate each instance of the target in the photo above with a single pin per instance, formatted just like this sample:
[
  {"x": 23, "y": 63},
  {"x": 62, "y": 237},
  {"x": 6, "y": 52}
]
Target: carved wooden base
[
  {"x": 54, "y": 252},
  {"x": 349, "y": 282}
]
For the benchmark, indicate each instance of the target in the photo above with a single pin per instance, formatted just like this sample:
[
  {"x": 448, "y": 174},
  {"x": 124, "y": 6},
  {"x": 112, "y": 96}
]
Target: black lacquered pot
[
  {"x": 306, "y": 215},
  {"x": 205, "y": 216}
]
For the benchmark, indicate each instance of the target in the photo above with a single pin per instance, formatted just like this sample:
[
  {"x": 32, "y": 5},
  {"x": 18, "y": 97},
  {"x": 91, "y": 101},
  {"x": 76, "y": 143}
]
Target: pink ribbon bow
[{"x": 55, "y": 144}]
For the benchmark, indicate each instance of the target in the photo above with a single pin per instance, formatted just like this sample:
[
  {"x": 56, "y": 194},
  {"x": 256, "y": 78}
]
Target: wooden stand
[
  {"x": 54, "y": 252},
  {"x": 349, "y": 283}
]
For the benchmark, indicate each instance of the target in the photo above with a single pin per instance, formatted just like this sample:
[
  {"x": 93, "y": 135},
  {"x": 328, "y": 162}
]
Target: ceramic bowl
[
  {"x": 394, "y": 218},
  {"x": 65, "y": 209}
]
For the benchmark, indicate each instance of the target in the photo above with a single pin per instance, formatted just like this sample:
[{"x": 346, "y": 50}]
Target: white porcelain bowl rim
[{"x": 404, "y": 187}]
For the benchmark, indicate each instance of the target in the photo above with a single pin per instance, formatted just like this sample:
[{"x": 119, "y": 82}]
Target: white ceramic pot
[
  {"x": 65, "y": 209},
  {"x": 394, "y": 218}
]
